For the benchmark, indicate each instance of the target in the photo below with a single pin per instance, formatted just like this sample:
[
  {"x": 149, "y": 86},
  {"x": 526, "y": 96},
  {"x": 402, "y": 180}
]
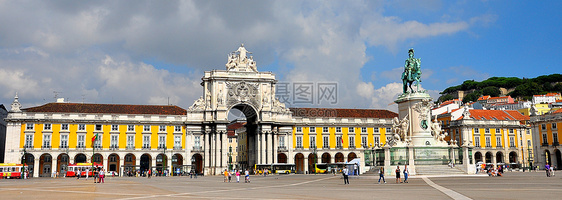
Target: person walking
[
  {"x": 87, "y": 171},
  {"x": 78, "y": 174},
  {"x": 398, "y": 180},
  {"x": 345, "y": 172},
  {"x": 225, "y": 175},
  {"x": 246, "y": 176},
  {"x": 381, "y": 175},
  {"x": 406, "y": 173},
  {"x": 102, "y": 176},
  {"x": 237, "y": 176},
  {"x": 547, "y": 169}
]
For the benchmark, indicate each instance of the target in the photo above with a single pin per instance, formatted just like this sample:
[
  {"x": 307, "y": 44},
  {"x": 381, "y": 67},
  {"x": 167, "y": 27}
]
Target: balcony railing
[
  {"x": 545, "y": 144},
  {"x": 325, "y": 147},
  {"x": 177, "y": 148},
  {"x": 114, "y": 147},
  {"x": 299, "y": 148},
  {"x": 351, "y": 147},
  {"x": 145, "y": 146},
  {"x": 46, "y": 147},
  {"x": 339, "y": 147},
  {"x": 281, "y": 148},
  {"x": 98, "y": 147},
  {"x": 160, "y": 147},
  {"x": 555, "y": 144},
  {"x": 28, "y": 146},
  {"x": 197, "y": 148},
  {"x": 130, "y": 147}
]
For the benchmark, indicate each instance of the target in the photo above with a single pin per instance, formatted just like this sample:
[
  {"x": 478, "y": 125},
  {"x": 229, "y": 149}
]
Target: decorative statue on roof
[
  {"x": 412, "y": 72},
  {"x": 239, "y": 61}
]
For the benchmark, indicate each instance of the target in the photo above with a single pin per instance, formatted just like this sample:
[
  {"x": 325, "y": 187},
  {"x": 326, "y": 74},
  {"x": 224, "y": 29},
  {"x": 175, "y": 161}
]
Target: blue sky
[{"x": 147, "y": 52}]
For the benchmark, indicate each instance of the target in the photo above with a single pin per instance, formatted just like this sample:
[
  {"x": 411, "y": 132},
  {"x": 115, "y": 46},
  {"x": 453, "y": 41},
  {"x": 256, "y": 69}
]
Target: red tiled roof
[
  {"x": 558, "y": 111},
  {"x": 108, "y": 108},
  {"x": 497, "y": 115},
  {"x": 484, "y": 97},
  {"x": 344, "y": 113}
]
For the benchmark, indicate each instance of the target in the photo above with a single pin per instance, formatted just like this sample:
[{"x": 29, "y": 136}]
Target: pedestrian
[
  {"x": 102, "y": 176},
  {"x": 229, "y": 176},
  {"x": 225, "y": 175},
  {"x": 345, "y": 172},
  {"x": 381, "y": 175},
  {"x": 87, "y": 170},
  {"x": 96, "y": 175},
  {"x": 78, "y": 174},
  {"x": 238, "y": 176},
  {"x": 547, "y": 169},
  {"x": 191, "y": 173},
  {"x": 246, "y": 176},
  {"x": 398, "y": 180},
  {"x": 405, "y": 173},
  {"x": 552, "y": 170},
  {"x": 149, "y": 173}
]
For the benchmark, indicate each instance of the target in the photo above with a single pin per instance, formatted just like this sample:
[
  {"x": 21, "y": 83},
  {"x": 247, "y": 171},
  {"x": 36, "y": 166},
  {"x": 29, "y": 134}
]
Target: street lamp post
[
  {"x": 530, "y": 160},
  {"x": 164, "y": 159},
  {"x": 315, "y": 158}
]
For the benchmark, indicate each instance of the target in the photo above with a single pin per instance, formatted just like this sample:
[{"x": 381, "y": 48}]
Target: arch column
[
  {"x": 274, "y": 141},
  {"x": 206, "y": 143},
  {"x": 494, "y": 161},
  {"x": 262, "y": 147},
  {"x": 306, "y": 170},
  {"x": 224, "y": 149},
  {"x": 270, "y": 148},
  {"x": 54, "y": 165},
  {"x": 36, "y": 167},
  {"x": 121, "y": 164}
]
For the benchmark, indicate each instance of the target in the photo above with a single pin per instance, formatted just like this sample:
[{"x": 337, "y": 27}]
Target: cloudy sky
[{"x": 155, "y": 52}]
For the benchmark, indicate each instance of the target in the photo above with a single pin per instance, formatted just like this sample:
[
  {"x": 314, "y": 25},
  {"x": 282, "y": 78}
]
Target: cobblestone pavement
[{"x": 514, "y": 185}]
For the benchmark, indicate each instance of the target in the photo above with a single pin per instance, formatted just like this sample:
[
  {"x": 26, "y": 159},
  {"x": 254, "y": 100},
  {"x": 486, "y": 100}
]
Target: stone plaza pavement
[{"x": 513, "y": 185}]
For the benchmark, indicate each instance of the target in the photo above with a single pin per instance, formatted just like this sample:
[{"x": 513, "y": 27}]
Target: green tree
[
  {"x": 471, "y": 97},
  {"x": 492, "y": 91}
]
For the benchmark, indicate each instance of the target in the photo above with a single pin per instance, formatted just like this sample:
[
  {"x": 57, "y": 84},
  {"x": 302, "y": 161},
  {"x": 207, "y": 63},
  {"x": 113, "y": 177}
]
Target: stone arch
[
  {"x": 339, "y": 157},
  {"x": 499, "y": 157},
  {"x": 488, "y": 157},
  {"x": 478, "y": 157},
  {"x": 326, "y": 157},
  {"x": 113, "y": 161},
  {"x": 281, "y": 158},
  {"x": 62, "y": 163},
  {"x": 197, "y": 163},
  {"x": 129, "y": 164},
  {"x": 299, "y": 163},
  {"x": 29, "y": 160},
  {"x": 161, "y": 163},
  {"x": 513, "y": 157},
  {"x": 177, "y": 162},
  {"x": 145, "y": 162},
  {"x": 97, "y": 158},
  {"x": 351, "y": 156},
  {"x": 80, "y": 158},
  {"x": 312, "y": 160},
  {"x": 45, "y": 165}
]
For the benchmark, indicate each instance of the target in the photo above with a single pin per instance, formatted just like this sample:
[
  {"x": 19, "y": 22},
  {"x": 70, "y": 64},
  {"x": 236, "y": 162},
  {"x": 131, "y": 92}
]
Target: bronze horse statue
[{"x": 412, "y": 72}]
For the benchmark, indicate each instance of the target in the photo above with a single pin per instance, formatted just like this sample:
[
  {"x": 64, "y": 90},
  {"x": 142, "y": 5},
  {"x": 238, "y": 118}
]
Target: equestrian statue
[{"x": 412, "y": 72}]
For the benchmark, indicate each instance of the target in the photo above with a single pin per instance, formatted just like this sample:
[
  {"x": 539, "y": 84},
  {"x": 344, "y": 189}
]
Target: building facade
[{"x": 547, "y": 145}]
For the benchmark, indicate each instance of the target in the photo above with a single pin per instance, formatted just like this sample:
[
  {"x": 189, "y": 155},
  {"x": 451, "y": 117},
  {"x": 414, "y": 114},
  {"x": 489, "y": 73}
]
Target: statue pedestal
[{"x": 417, "y": 107}]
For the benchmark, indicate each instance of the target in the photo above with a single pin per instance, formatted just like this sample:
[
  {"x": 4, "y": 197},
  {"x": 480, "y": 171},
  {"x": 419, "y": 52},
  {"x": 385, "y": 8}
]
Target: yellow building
[
  {"x": 323, "y": 135},
  {"x": 498, "y": 137},
  {"x": 539, "y": 109},
  {"x": 545, "y": 129},
  {"x": 129, "y": 137}
]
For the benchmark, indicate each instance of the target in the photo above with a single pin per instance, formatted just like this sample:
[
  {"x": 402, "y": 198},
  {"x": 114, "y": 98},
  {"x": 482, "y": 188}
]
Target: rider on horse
[{"x": 412, "y": 72}]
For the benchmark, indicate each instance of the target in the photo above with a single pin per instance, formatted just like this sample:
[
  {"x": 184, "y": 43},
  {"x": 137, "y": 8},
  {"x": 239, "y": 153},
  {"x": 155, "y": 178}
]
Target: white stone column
[
  {"x": 290, "y": 154},
  {"x": 137, "y": 161},
  {"x": 206, "y": 143},
  {"x": 274, "y": 144},
  {"x": 262, "y": 147},
  {"x": 270, "y": 148},
  {"x": 224, "y": 144},
  {"x": 36, "y": 167},
  {"x": 306, "y": 169},
  {"x": 54, "y": 165},
  {"x": 121, "y": 165},
  {"x": 169, "y": 164},
  {"x": 105, "y": 161}
]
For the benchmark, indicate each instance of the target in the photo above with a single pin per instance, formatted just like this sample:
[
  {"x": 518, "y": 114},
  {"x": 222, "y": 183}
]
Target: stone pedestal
[{"x": 416, "y": 108}]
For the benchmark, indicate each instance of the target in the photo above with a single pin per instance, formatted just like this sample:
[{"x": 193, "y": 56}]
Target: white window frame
[
  {"x": 488, "y": 140},
  {"x": 28, "y": 140},
  {"x": 63, "y": 141},
  {"x": 338, "y": 129},
  {"x": 29, "y": 126},
  {"x": 47, "y": 140},
  {"x": 498, "y": 131},
  {"x": 351, "y": 129},
  {"x": 351, "y": 141},
  {"x": 364, "y": 141},
  {"x": 98, "y": 143},
  {"x": 131, "y": 128},
  {"x": 98, "y": 127},
  {"x": 299, "y": 129},
  {"x": 47, "y": 127},
  {"x": 197, "y": 141},
  {"x": 162, "y": 128},
  {"x": 161, "y": 141},
  {"x": 325, "y": 129},
  {"x": 476, "y": 131},
  {"x": 312, "y": 129},
  {"x": 81, "y": 141},
  {"x": 511, "y": 141},
  {"x": 544, "y": 138},
  {"x": 554, "y": 126},
  {"x": 299, "y": 142},
  {"x": 282, "y": 141},
  {"x": 114, "y": 140},
  {"x": 146, "y": 141},
  {"x": 377, "y": 139},
  {"x": 543, "y": 126},
  {"x": 64, "y": 127},
  {"x": 146, "y": 128},
  {"x": 477, "y": 141},
  {"x": 177, "y": 141},
  {"x": 363, "y": 129},
  {"x": 498, "y": 141},
  {"x": 177, "y": 129},
  {"x": 511, "y": 131},
  {"x": 312, "y": 141},
  {"x": 114, "y": 127},
  {"x": 339, "y": 141},
  {"x": 376, "y": 130},
  {"x": 326, "y": 141},
  {"x": 130, "y": 141},
  {"x": 81, "y": 127},
  {"x": 486, "y": 130}
]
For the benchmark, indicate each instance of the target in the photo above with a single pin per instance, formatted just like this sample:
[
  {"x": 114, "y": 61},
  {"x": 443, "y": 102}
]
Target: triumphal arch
[{"x": 241, "y": 86}]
